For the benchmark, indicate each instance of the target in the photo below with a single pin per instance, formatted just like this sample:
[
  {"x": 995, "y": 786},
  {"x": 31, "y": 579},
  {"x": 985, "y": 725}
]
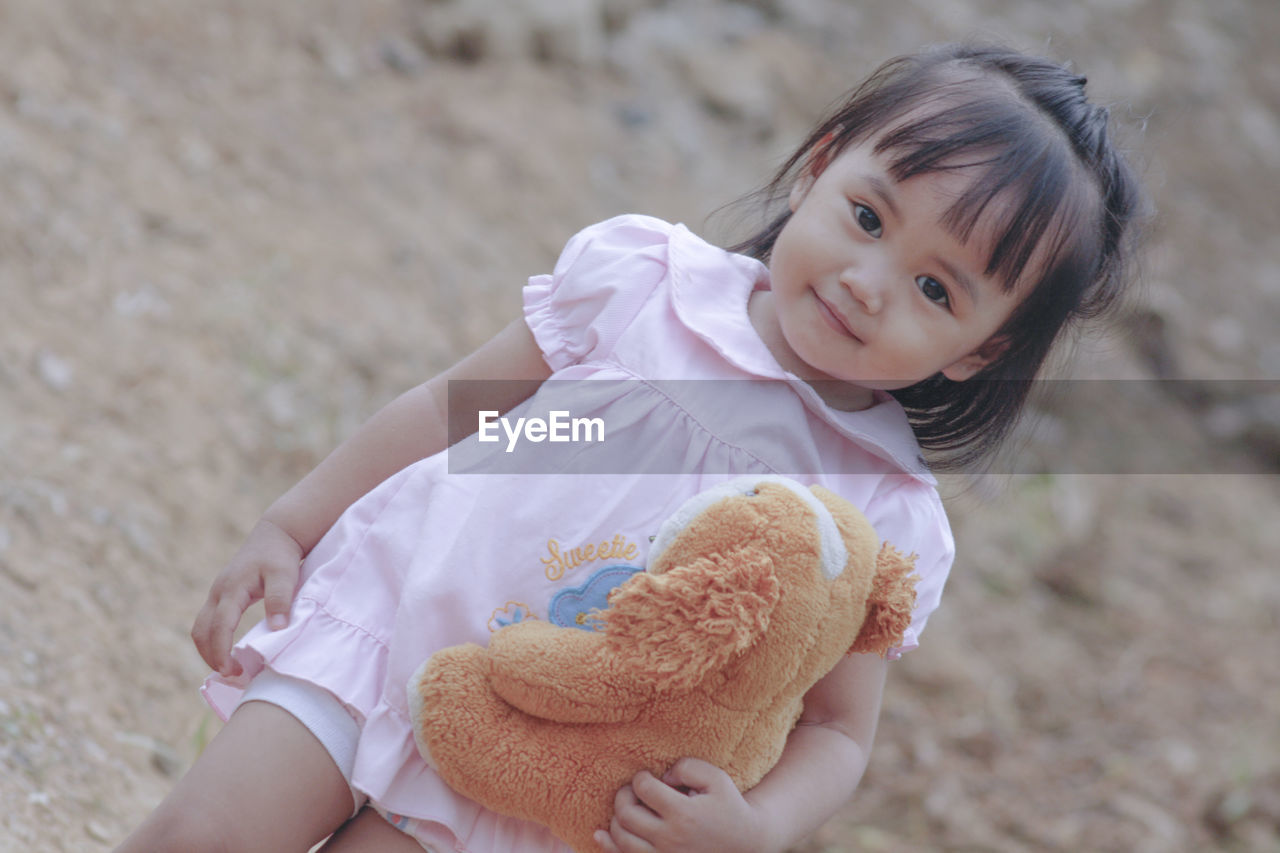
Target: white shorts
[
  {"x": 317, "y": 709},
  {"x": 338, "y": 731}
]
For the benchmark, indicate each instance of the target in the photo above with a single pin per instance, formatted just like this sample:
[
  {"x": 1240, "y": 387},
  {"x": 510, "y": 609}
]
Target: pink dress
[{"x": 459, "y": 544}]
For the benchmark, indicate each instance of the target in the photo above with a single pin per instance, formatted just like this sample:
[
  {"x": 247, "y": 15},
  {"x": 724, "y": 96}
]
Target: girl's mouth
[{"x": 834, "y": 320}]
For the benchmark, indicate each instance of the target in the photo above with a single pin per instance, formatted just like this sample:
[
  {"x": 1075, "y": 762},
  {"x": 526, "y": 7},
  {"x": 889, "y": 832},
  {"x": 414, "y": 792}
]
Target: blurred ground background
[{"x": 231, "y": 230}]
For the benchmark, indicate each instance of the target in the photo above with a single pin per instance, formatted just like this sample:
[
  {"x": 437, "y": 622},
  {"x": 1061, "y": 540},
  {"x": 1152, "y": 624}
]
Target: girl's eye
[
  {"x": 933, "y": 290},
  {"x": 867, "y": 220}
]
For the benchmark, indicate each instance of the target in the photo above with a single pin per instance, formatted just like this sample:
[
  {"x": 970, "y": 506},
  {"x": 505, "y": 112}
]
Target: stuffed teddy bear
[{"x": 753, "y": 591}]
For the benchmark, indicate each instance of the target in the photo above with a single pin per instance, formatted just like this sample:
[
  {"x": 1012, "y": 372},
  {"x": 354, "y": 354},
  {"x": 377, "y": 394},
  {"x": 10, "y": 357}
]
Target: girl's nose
[{"x": 866, "y": 286}]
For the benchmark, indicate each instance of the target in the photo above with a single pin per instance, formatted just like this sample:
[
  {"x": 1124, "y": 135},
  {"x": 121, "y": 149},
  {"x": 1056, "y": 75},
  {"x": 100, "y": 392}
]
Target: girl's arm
[
  {"x": 411, "y": 427},
  {"x": 696, "y": 807}
]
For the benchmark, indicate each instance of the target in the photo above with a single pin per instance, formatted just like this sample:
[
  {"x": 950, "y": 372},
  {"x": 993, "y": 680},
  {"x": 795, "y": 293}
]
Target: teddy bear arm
[{"x": 561, "y": 674}]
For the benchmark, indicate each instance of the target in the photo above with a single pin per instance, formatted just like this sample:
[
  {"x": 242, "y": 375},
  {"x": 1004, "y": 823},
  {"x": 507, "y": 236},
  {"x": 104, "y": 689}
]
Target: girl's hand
[
  {"x": 267, "y": 567},
  {"x": 694, "y": 807}
]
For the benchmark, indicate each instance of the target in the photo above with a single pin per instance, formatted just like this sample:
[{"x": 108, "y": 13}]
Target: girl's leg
[
  {"x": 369, "y": 832},
  {"x": 264, "y": 783}
]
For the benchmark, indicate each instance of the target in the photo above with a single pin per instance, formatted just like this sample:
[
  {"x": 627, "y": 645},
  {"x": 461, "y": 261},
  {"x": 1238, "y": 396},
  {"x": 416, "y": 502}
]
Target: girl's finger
[
  {"x": 695, "y": 775},
  {"x": 224, "y": 625},
  {"x": 626, "y": 841},
  {"x": 632, "y": 814},
  {"x": 655, "y": 794},
  {"x": 606, "y": 843},
  {"x": 200, "y": 635},
  {"x": 278, "y": 585}
]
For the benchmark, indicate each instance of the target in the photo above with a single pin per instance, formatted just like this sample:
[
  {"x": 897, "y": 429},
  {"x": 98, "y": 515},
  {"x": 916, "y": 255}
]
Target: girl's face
[{"x": 871, "y": 289}]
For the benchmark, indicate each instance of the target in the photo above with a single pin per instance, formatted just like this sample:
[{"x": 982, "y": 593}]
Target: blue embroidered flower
[
  {"x": 509, "y": 614},
  {"x": 574, "y": 607}
]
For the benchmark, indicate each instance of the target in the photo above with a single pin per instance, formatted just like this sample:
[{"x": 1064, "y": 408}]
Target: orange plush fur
[{"x": 708, "y": 654}]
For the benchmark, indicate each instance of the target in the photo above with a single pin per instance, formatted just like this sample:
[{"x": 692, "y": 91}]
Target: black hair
[{"x": 1068, "y": 201}]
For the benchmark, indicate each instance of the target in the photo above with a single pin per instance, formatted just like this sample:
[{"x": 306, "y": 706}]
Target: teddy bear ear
[
  {"x": 893, "y": 595},
  {"x": 671, "y": 630}
]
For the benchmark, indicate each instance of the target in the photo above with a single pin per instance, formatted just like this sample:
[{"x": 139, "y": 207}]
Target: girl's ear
[
  {"x": 965, "y": 368},
  {"x": 800, "y": 189},
  {"x": 819, "y": 159}
]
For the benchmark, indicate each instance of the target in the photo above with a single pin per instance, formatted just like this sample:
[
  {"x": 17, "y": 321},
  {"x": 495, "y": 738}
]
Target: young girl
[{"x": 931, "y": 239}]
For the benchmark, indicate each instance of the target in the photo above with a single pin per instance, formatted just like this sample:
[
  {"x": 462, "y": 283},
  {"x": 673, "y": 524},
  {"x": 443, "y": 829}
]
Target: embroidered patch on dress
[
  {"x": 575, "y": 607},
  {"x": 509, "y": 614}
]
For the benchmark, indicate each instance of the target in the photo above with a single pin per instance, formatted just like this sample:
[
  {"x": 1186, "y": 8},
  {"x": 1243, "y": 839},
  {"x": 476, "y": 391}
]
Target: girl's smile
[
  {"x": 871, "y": 288},
  {"x": 837, "y": 322}
]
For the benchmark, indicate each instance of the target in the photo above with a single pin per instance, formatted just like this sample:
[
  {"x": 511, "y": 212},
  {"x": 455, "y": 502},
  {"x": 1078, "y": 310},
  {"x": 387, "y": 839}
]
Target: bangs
[{"x": 1028, "y": 192}]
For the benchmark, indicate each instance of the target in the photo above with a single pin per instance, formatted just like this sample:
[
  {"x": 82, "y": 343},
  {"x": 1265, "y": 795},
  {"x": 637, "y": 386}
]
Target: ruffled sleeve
[
  {"x": 909, "y": 515},
  {"x": 603, "y": 277}
]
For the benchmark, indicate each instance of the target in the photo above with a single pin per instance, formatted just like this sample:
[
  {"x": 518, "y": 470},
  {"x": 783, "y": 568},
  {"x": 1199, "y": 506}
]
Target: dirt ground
[{"x": 232, "y": 230}]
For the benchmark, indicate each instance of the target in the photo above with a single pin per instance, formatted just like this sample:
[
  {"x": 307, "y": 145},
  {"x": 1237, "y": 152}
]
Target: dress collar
[{"x": 710, "y": 289}]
